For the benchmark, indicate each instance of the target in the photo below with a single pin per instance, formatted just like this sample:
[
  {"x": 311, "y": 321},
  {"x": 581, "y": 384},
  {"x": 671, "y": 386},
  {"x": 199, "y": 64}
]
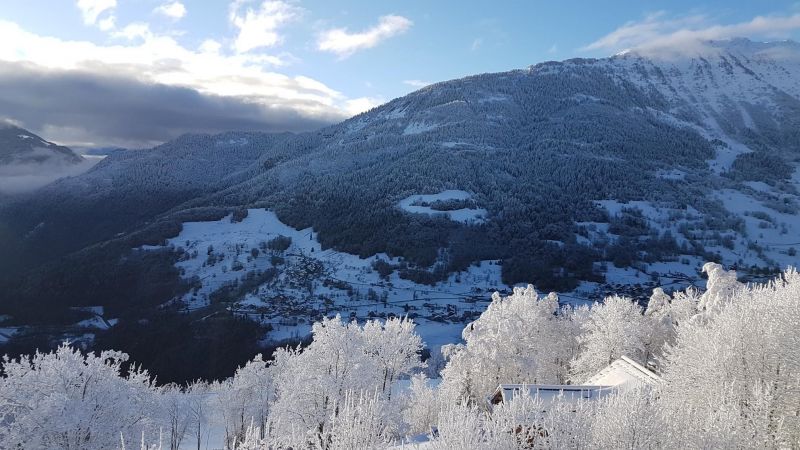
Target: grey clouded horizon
[{"x": 99, "y": 108}]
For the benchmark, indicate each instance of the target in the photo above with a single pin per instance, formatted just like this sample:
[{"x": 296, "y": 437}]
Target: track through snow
[{"x": 420, "y": 204}]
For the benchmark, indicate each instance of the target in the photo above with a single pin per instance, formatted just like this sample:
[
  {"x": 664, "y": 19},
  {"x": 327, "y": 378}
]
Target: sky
[{"x": 135, "y": 73}]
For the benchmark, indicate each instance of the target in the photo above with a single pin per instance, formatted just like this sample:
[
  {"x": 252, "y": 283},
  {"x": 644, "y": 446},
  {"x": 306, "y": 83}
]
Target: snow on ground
[
  {"x": 657, "y": 216},
  {"x": 453, "y": 144},
  {"x": 726, "y": 155},
  {"x": 419, "y": 127},
  {"x": 97, "y": 322},
  {"x": 311, "y": 283},
  {"x": 614, "y": 207},
  {"x": 768, "y": 238},
  {"x": 774, "y": 232},
  {"x": 672, "y": 174},
  {"x": 413, "y": 203},
  {"x": 759, "y": 186},
  {"x": 304, "y": 283}
]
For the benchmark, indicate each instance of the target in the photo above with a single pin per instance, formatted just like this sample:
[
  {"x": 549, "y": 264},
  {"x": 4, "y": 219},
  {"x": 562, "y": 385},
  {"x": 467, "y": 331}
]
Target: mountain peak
[{"x": 688, "y": 49}]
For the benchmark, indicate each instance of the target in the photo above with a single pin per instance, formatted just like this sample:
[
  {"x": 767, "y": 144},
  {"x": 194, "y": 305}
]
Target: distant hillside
[
  {"x": 28, "y": 162},
  {"x": 20, "y": 146}
]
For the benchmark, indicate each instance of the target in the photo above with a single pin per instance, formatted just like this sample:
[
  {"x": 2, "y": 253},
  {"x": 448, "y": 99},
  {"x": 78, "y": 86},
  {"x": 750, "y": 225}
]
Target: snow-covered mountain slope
[
  {"x": 535, "y": 145},
  {"x": 126, "y": 191},
  {"x": 20, "y": 146},
  {"x": 28, "y": 162},
  {"x": 285, "y": 286},
  {"x": 740, "y": 92}
]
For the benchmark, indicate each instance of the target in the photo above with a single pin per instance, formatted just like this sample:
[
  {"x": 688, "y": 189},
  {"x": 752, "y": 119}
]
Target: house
[
  {"x": 621, "y": 375},
  {"x": 625, "y": 374}
]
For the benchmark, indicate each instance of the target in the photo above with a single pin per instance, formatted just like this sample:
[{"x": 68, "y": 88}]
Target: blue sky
[{"x": 321, "y": 61}]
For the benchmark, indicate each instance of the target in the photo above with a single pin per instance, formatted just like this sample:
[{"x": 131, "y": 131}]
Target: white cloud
[
  {"x": 259, "y": 27},
  {"x": 658, "y": 31},
  {"x": 476, "y": 44},
  {"x": 175, "y": 10},
  {"x": 16, "y": 178},
  {"x": 161, "y": 59},
  {"x": 108, "y": 23},
  {"x": 344, "y": 43},
  {"x": 91, "y": 10},
  {"x": 133, "y": 31},
  {"x": 553, "y": 49},
  {"x": 416, "y": 83},
  {"x": 362, "y": 104},
  {"x": 210, "y": 46}
]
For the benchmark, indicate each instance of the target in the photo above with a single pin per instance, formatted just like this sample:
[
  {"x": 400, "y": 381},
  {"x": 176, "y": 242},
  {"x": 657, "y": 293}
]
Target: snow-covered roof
[
  {"x": 549, "y": 392},
  {"x": 625, "y": 374},
  {"x": 622, "y": 375}
]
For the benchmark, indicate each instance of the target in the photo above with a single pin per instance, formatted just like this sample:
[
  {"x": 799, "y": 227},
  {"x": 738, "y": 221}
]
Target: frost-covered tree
[
  {"x": 627, "y": 420},
  {"x": 176, "y": 414},
  {"x": 244, "y": 400},
  {"x": 394, "y": 347},
  {"x": 519, "y": 338},
  {"x": 360, "y": 421},
  {"x": 662, "y": 329},
  {"x": 199, "y": 408},
  {"x": 720, "y": 289},
  {"x": 734, "y": 377},
  {"x": 422, "y": 408},
  {"x": 311, "y": 384},
  {"x": 69, "y": 400},
  {"x": 614, "y": 328}
]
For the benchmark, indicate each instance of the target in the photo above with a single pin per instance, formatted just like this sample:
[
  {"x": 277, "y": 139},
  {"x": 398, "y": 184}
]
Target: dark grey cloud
[{"x": 107, "y": 109}]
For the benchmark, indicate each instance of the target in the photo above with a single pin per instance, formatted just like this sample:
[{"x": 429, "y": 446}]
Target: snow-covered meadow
[{"x": 311, "y": 282}]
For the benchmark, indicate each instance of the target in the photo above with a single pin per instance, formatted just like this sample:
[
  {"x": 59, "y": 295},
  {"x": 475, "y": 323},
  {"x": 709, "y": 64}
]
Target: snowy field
[
  {"x": 311, "y": 282},
  {"x": 767, "y": 240},
  {"x": 415, "y": 204},
  {"x": 306, "y": 283}
]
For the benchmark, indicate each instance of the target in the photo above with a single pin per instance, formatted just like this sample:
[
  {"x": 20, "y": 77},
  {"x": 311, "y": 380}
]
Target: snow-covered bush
[
  {"x": 68, "y": 400},
  {"x": 243, "y": 400},
  {"x": 422, "y": 408},
  {"x": 734, "y": 376},
  {"x": 344, "y": 359}
]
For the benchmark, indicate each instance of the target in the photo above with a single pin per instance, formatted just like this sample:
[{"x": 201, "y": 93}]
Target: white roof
[
  {"x": 549, "y": 392},
  {"x": 625, "y": 374}
]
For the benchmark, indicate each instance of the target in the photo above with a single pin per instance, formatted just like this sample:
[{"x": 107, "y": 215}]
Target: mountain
[
  {"x": 575, "y": 176},
  {"x": 19, "y": 146},
  {"x": 28, "y": 162}
]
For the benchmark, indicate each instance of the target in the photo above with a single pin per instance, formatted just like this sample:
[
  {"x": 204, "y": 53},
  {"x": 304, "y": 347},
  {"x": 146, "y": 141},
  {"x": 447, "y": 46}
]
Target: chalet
[{"x": 622, "y": 375}]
